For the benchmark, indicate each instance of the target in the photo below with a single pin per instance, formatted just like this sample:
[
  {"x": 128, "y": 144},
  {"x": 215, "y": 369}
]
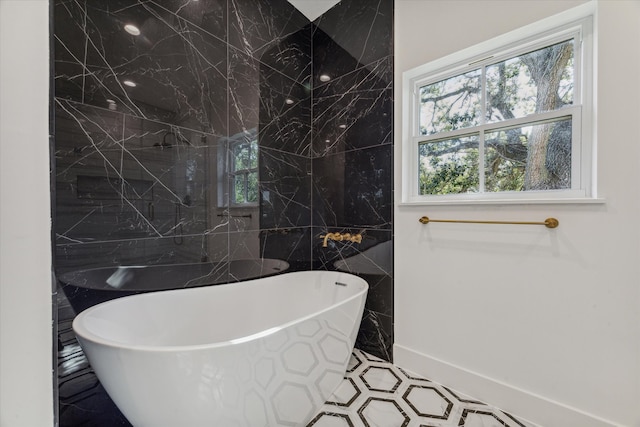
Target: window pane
[
  {"x": 449, "y": 166},
  {"x": 253, "y": 155},
  {"x": 450, "y": 104},
  {"x": 240, "y": 156},
  {"x": 536, "y": 157},
  {"x": 252, "y": 187},
  {"x": 531, "y": 83},
  {"x": 238, "y": 190}
]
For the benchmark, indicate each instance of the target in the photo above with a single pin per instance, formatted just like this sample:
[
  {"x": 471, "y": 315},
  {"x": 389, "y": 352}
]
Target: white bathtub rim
[{"x": 81, "y": 331}]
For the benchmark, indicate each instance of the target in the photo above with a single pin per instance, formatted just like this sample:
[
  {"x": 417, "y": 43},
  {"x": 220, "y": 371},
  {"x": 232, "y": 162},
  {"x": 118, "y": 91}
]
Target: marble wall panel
[
  {"x": 352, "y": 153},
  {"x": 356, "y": 33},
  {"x": 179, "y": 71},
  {"x": 285, "y": 113},
  {"x": 265, "y": 101},
  {"x": 244, "y": 245},
  {"x": 376, "y": 335},
  {"x": 285, "y": 189},
  {"x": 288, "y": 244},
  {"x": 244, "y": 93},
  {"x": 354, "y": 111},
  {"x": 291, "y": 56},
  {"x": 150, "y": 163},
  {"x": 145, "y": 251},
  {"x": 273, "y": 32},
  {"x": 354, "y": 188},
  {"x": 124, "y": 177},
  {"x": 210, "y": 15}
]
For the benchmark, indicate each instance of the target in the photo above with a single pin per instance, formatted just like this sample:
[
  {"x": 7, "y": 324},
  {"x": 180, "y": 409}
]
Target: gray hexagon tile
[{"x": 375, "y": 393}]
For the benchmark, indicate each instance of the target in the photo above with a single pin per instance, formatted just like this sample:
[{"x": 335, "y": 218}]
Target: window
[
  {"x": 506, "y": 120},
  {"x": 243, "y": 171}
]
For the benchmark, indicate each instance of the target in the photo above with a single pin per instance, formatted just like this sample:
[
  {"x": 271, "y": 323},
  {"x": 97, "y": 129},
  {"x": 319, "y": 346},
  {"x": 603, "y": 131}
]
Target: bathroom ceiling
[{"x": 313, "y": 8}]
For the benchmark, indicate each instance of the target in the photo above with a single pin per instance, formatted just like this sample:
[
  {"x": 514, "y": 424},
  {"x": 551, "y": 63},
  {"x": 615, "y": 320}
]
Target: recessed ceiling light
[
  {"x": 132, "y": 29},
  {"x": 327, "y": 141},
  {"x": 129, "y": 83},
  {"x": 325, "y": 78},
  {"x": 342, "y": 126},
  {"x": 288, "y": 101}
]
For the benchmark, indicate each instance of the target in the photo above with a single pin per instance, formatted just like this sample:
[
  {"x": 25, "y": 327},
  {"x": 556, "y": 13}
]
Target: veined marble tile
[
  {"x": 262, "y": 100},
  {"x": 210, "y": 15},
  {"x": 352, "y": 34},
  {"x": 360, "y": 194},
  {"x": 285, "y": 189},
  {"x": 179, "y": 71},
  {"x": 273, "y": 32}
]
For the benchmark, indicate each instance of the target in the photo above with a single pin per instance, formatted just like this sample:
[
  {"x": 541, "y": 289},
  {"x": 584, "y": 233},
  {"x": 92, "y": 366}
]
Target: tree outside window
[{"x": 489, "y": 149}]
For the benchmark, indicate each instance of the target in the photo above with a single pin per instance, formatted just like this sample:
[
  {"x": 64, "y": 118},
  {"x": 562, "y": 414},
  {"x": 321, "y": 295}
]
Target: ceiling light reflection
[{"x": 132, "y": 29}]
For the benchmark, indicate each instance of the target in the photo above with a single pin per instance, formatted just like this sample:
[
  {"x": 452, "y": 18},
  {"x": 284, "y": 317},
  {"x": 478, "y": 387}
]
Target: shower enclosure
[{"x": 207, "y": 132}]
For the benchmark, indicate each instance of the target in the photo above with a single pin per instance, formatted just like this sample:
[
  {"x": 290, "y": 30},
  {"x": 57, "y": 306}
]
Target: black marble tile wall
[
  {"x": 144, "y": 122},
  {"x": 353, "y": 154},
  {"x": 352, "y": 34}
]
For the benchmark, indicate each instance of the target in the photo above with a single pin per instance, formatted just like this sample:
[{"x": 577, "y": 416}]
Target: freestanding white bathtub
[{"x": 265, "y": 352}]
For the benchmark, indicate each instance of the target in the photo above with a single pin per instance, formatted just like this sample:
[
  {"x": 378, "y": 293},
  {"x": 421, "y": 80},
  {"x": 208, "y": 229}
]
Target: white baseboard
[{"x": 523, "y": 404}]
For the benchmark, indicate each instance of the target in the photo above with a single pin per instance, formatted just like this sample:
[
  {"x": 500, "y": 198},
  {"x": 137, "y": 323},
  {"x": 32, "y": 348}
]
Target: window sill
[
  {"x": 243, "y": 206},
  {"x": 477, "y": 202}
]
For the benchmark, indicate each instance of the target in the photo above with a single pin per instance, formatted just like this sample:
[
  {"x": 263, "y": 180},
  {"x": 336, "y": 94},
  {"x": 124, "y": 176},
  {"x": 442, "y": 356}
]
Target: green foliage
[{"x": 450, "y": 174}]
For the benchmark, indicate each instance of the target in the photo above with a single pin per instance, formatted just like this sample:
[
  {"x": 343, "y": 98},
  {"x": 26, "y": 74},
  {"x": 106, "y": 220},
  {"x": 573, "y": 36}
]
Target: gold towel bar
[{"x": 549, "y": 222}]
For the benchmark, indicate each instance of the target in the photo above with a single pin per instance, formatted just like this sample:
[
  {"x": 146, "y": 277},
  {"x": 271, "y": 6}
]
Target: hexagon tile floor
[{"x": 376, "y": 393}]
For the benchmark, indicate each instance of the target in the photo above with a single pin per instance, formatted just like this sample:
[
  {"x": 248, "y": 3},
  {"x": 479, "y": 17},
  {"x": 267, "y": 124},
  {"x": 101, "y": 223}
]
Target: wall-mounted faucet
[{"x": 355, "y": 238}]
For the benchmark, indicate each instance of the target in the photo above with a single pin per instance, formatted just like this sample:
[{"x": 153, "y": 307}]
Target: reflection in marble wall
[
  {"x": 352, "y": 154},
  {"x": 143, "y": 124}
]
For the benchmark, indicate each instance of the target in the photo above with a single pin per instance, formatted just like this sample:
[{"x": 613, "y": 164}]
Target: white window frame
[{"x": 578, "y": 23}]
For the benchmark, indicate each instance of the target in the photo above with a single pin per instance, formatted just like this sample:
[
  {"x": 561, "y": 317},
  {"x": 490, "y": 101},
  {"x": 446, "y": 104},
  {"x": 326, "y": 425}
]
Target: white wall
[
  {"x": 544, "y": 323},
  {"x": 26, "y": 388}
]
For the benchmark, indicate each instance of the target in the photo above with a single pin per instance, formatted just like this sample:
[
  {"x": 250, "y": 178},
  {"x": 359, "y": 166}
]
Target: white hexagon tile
[{"x": 376, "y": 393}]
